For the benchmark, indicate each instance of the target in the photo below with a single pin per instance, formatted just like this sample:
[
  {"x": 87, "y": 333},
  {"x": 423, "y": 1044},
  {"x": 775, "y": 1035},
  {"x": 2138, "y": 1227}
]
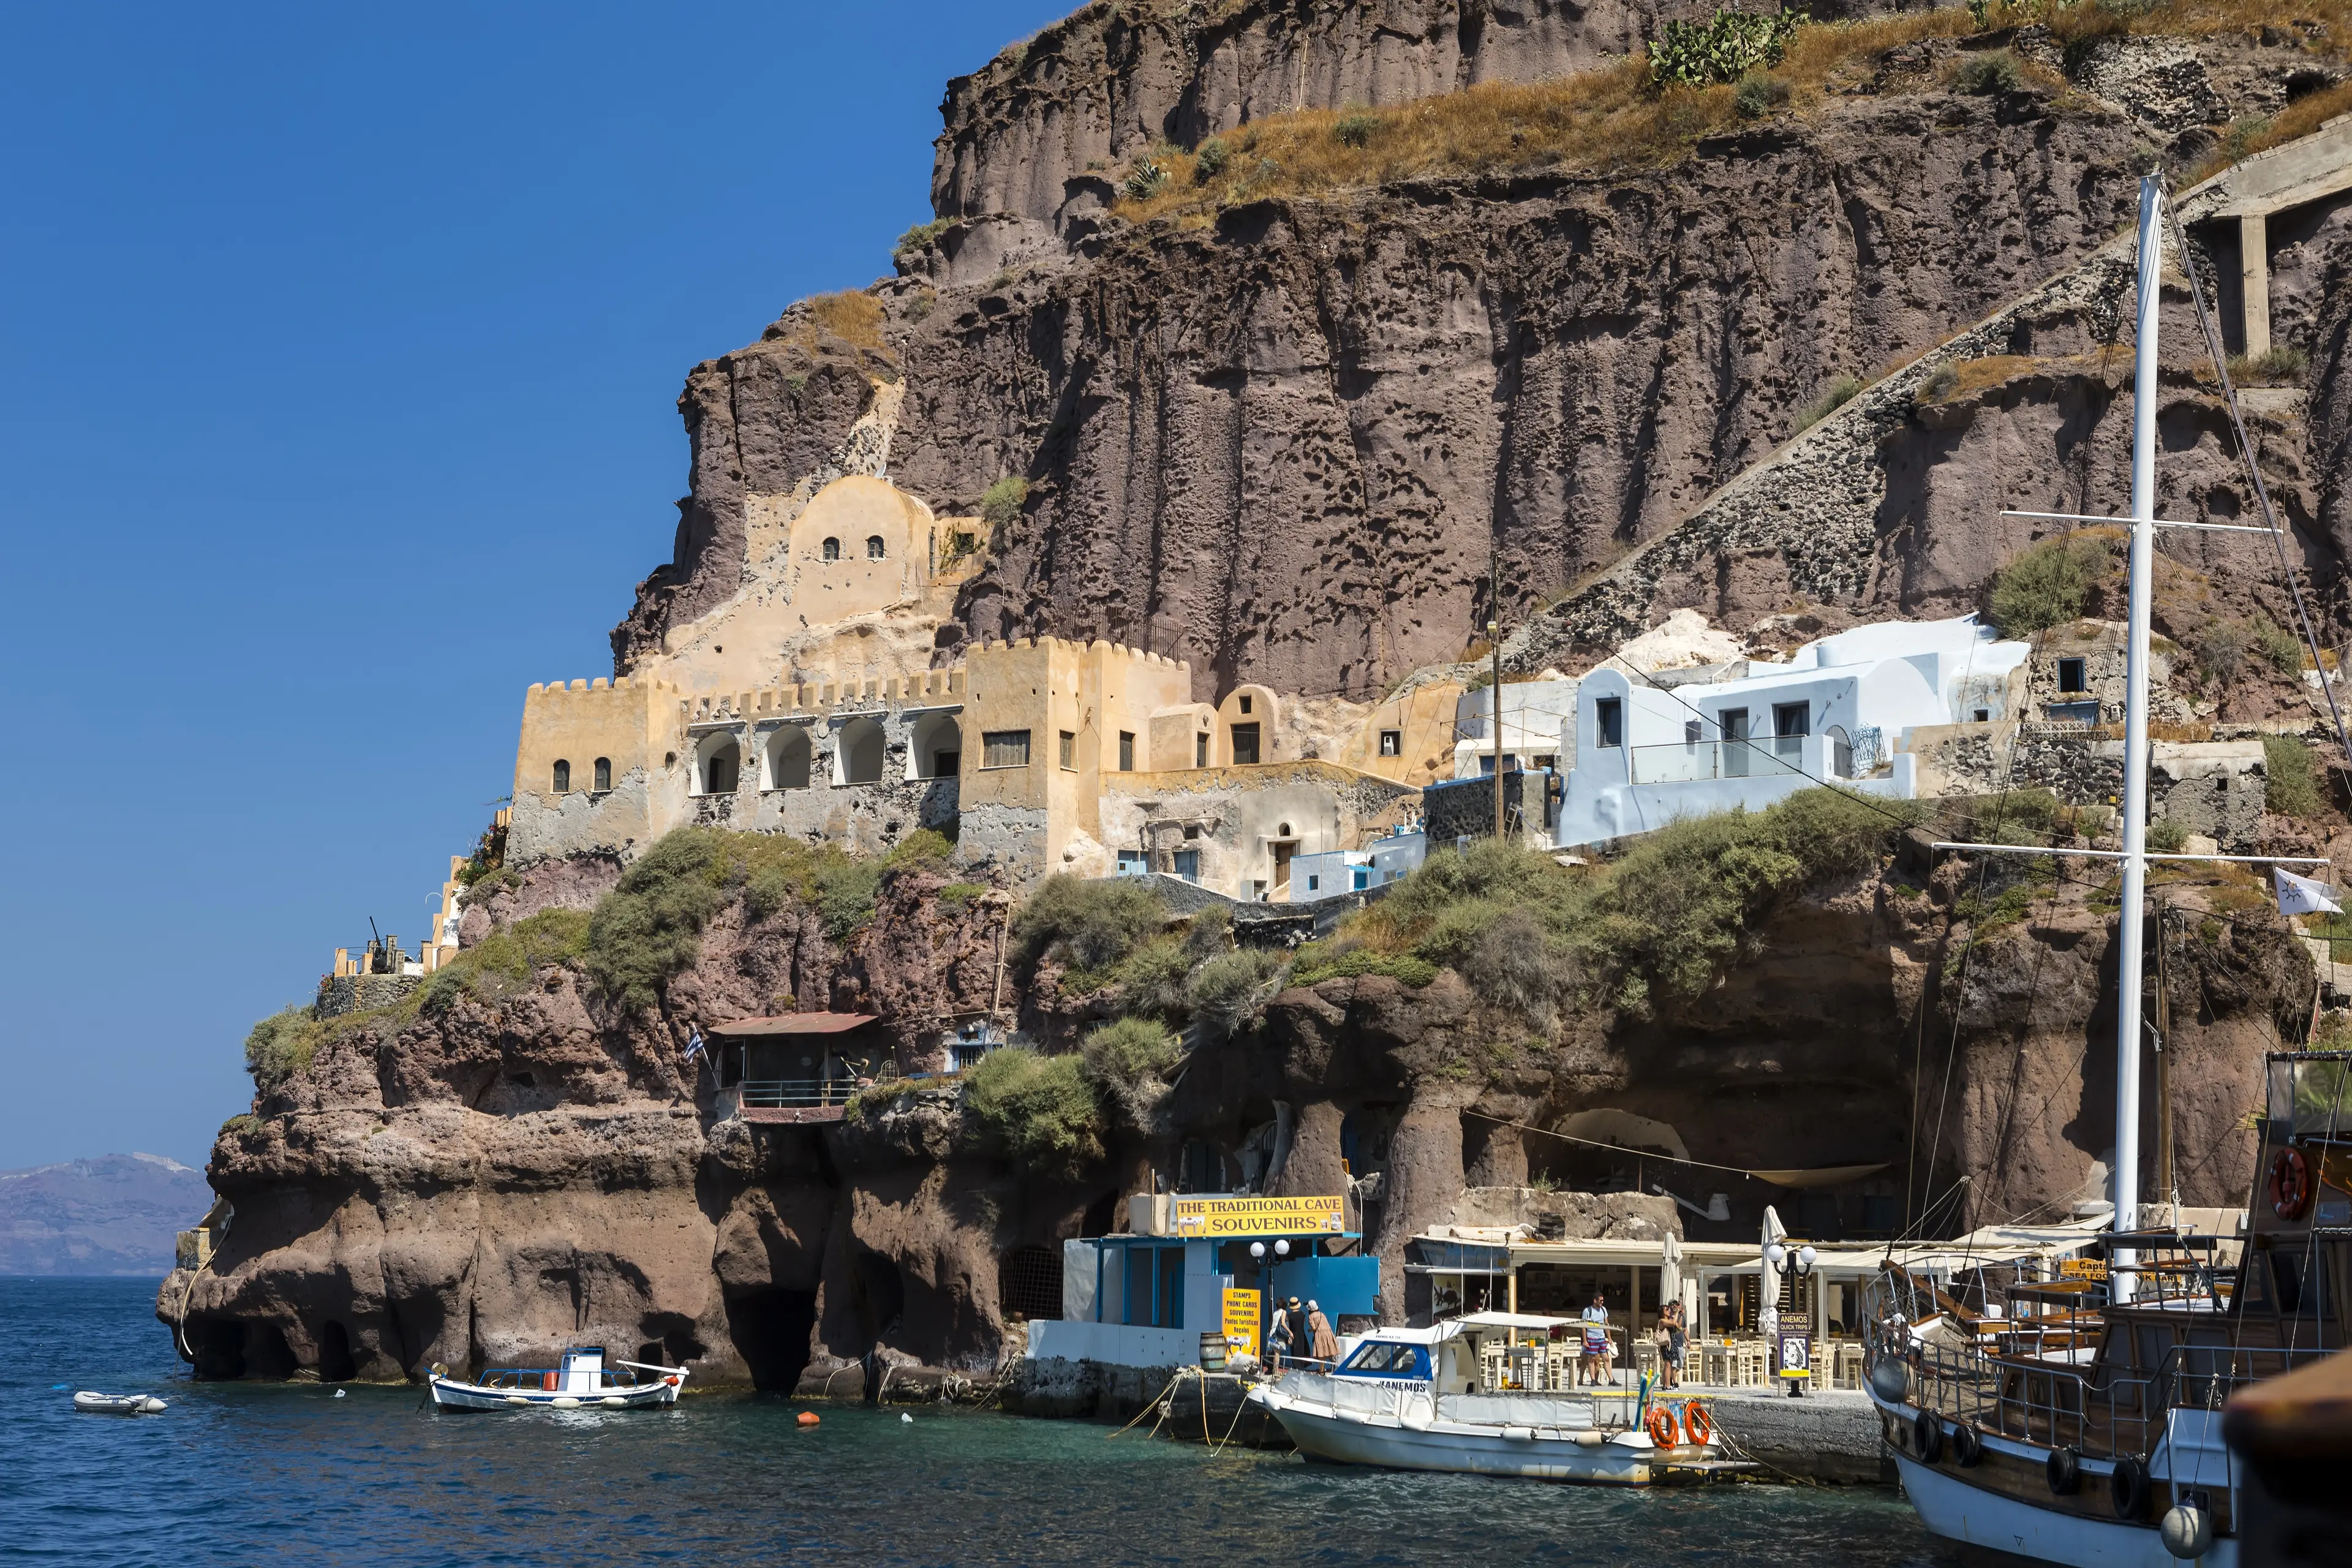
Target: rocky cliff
[
  {"x": 1291, "y": 436},
  {"x": 518, "y": 1163}
]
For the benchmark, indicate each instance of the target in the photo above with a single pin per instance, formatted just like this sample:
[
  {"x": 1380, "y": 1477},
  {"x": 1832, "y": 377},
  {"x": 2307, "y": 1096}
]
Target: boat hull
[
  {"x": 450, "y": 1395},
  {"x": 1347, "y": 1437},
  {"x": 1953, "y": 1508}
]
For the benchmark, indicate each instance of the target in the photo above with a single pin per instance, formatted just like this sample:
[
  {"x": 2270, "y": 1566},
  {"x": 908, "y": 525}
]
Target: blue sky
[{"x": 339, "y": 359}]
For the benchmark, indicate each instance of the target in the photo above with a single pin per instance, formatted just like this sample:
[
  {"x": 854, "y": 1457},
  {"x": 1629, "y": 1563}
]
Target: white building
[
  {"x": 1382, "y": 861},
  {"x": 1535, "y": 715},
  {"x": 1686, "y": 743}
]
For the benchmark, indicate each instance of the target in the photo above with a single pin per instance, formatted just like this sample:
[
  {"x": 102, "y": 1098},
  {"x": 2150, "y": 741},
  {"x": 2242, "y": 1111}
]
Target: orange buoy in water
[{"x": 808, "y": 1418}]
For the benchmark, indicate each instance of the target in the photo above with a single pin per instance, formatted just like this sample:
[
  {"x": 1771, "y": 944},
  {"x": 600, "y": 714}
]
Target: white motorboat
[
  {"x": 1428, "y": 1399},
  {"x": 118, "y": 1403},
  {"x": 583, "y": 1382}
]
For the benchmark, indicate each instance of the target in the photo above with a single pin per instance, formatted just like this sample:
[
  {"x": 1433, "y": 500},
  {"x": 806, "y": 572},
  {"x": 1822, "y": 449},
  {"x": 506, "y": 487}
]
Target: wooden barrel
[{"x": 1212, "y": 1352}]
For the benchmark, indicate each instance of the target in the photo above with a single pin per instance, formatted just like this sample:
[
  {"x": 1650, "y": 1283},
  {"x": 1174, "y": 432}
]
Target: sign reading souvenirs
[
  {"x": 1212, "y": 1218},
  {"x": 1241, "y": 1322}
]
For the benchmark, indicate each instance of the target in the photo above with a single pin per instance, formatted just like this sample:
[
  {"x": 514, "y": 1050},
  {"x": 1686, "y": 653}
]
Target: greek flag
[
  {"x": 693, "y": 1044},
  {"x": 2302, "y": 896}
]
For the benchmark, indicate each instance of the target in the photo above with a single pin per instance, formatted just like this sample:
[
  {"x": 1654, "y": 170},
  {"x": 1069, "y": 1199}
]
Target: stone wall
[
  {"x": 340, "y": 993},
  {"x": 2212, "y": 787}
]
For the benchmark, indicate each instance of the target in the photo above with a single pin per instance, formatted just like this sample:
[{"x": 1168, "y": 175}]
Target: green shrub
[
  {"x": 1228, "y": 992},
  {"x": 2166, "y": 836},
  {"x": 1089, "y": 924},
  {"x": 919, "y": 237},
  {"x": 1356, "y": 130},
  {"x": 649, "y": 927},
  {"x": 1000, "y": 504},
  {"x": 1990, "y": 73},
  {"x": 1041, "y": 1108},
  {"x": 1210, "y": 160},
  {"x": 506, "y": 960},
  {"x": 1725, "y": 47},
  {"x": 1758, "y": 96},
  {"x": 2222, "y": 649},
  {"x": 1129, "y": 1061},
  {"x": 1940, "y": 382},
  {"x": 955, "y": 895},
  {"x": 281, "y": 1046},
  {"x": 2278, "y": 365},
  {"x": 1313, "y": 968},
  {"x": 1511, "y": 965},
  {"x": 2291, "y": 776},
  {"x": 2047, "y": 585},
  {"x": 2280, "y": 648},
  {"x": 1145, "y": 181},
  {"x": 1152, "y": 979},
  {"x": 1841, "y": 390},
  {"x": 845, "y": 894}
]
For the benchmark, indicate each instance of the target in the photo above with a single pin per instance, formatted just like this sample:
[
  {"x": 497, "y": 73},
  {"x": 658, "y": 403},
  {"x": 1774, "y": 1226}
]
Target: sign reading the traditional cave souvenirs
[
  {"x": 1212, "y": 1218},
  {"x": 1241, "y": 1322}
]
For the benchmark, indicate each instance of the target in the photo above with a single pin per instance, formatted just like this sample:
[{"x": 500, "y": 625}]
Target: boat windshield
[
  {"x": 2310, "y": 1094},
  {"x": 1380, "y": 1358}
]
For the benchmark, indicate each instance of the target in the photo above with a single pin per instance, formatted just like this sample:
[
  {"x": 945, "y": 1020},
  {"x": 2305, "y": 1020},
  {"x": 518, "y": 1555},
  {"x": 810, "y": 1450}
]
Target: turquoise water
[{"x": 238, "y": 1473}]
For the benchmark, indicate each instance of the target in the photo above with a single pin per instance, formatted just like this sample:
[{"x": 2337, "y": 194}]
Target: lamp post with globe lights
[{"x": 1257, "y": 1251}]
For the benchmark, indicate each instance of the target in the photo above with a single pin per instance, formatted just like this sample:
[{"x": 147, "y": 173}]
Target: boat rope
[{"x": 1158, "y": 1402}]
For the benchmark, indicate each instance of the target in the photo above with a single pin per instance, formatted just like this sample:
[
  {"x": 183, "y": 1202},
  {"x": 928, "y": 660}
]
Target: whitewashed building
[{"x": 1686, "y": 743}]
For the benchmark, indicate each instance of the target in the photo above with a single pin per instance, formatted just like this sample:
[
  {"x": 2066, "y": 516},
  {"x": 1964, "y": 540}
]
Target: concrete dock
[{"x": 1829, "y": 1435}]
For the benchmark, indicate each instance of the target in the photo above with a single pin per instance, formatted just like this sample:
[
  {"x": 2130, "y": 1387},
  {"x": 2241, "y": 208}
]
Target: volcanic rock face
[{"x": 518, "y": 1172}]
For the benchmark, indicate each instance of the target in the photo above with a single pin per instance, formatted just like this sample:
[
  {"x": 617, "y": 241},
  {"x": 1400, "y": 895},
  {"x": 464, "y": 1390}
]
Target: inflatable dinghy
[{"x": 118, "y": 1403}]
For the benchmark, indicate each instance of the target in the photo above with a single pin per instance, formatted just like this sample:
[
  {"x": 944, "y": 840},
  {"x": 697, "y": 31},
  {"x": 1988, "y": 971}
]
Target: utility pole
[{"x": 1494, "y": 645}]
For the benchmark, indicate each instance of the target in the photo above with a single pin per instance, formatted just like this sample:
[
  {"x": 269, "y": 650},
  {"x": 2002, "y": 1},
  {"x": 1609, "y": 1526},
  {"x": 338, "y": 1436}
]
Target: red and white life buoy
[{"x": 2290, "y": 1183}]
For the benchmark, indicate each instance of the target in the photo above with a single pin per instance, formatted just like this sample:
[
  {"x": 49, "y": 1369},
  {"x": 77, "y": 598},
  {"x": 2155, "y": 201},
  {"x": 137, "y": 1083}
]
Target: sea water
[{"x": 252, "y": 1473}]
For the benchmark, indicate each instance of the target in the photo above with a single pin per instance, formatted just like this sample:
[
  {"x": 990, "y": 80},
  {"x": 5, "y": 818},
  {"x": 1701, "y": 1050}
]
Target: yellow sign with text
[
  {"x": 2082, "y": 1269},
  {"x": 1240, "y": 1322},
  {"x": 1213, "y": 1219}
]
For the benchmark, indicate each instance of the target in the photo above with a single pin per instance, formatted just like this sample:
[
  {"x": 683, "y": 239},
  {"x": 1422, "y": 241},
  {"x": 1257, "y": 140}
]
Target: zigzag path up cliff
[{"x": 526, "y": 1166}]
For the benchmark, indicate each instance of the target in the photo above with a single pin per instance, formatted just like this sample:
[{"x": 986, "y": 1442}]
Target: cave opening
[
  {"x": 771, "y": 1331},
  {"x": 335, "y": 1363},
  {"x": 1099, "y": 1214},
  {"x": 877, "y": 1295},
  {"x": 217, "y": 1346},
  {"x": 266, "y": 1354}
]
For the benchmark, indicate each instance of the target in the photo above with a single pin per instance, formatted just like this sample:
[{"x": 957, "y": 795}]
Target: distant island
[{"x": 116, "y": 1214}]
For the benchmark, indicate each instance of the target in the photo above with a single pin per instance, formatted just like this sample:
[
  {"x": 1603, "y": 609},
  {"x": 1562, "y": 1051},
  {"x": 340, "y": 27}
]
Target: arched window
[
  {"x": 563, "y": 778},
  {"x": 939, "y": 747},
  {"x": 719, "y": 762},
  {"x": 862, "y": 749},
  {"x": 604, "y": 774},
  {"x": 788, "y": 758},
  {"x": 833, "y": 549},
  {"x": 874, "y": 547}
]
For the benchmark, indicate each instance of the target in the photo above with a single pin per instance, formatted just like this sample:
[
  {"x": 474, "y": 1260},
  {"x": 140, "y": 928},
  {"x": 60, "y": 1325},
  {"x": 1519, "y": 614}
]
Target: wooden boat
[
  {"x": 2080, "y": 1421},
  {"x": 582, "y": 1381},
  {"x": 1440, "y": 1399},
  {"x": 91, "y": 1404}
]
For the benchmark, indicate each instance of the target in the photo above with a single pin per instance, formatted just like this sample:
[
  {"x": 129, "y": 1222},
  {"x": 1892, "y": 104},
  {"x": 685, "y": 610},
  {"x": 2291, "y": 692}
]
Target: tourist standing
[
  {"x": 1280, "y": 1332},
  {"x": 1321, "y": 1342},
  {"x": 1671, "y": 1340},
  {"x": 1594, "y": 1369}
]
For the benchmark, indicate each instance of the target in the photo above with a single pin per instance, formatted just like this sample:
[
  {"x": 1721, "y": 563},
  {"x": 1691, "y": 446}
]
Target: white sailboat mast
[{"x": 2128, "y": 935}]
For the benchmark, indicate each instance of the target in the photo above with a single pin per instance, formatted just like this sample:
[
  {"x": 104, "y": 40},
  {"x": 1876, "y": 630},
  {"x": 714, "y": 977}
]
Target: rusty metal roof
[{"x": 796, "y": 1024}]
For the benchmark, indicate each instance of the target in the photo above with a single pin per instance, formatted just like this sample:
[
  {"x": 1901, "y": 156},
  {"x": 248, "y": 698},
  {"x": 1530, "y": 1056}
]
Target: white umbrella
[
  {"x": 1670, "y": 1271},
  {"x": 1768, "y": 1314}
]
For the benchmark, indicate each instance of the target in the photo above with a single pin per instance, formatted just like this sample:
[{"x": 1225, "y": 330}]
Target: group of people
[
  {"x": 1291, "y": 1325},
  {"x": 1597, "y": 1366}
]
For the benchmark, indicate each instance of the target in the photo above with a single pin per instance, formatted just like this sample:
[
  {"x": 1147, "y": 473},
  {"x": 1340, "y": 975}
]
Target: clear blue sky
[{"x": 338, "y": 354}]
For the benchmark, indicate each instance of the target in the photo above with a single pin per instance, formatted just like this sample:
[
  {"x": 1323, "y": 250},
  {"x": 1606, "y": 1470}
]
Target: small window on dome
[
  {"x": 563, "y": 778},
  {"x": 833, "y": 549},
  {"x": 874, "y": 547}
]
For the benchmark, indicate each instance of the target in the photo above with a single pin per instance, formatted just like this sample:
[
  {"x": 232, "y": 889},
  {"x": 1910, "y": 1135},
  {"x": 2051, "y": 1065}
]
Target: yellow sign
[
  {"x": 2082, "y": 1269},
  {"x": 1241, "y": 1322},
  {"x": 1212, "y": 1218}
]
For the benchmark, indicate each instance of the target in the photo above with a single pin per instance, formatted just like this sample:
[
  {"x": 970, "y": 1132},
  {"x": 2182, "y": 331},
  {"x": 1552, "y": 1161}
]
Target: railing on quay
[{"x": 796, "y": 1093}]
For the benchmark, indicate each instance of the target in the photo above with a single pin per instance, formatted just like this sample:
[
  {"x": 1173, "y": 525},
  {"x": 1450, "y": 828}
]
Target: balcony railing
[
  {"x": 1691, "y": 762},
  {"x": 795, "y": 1093}
]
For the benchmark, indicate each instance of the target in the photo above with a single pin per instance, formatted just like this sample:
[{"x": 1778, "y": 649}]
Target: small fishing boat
[
  {"x": 1468, "y": 1395},
  {"x": 118, "y": 1404},
  {"x": 583, "y": 1382}
]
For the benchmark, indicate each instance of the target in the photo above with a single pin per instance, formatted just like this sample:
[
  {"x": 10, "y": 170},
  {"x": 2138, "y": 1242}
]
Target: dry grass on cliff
[{"x": 1612, "y": 118}]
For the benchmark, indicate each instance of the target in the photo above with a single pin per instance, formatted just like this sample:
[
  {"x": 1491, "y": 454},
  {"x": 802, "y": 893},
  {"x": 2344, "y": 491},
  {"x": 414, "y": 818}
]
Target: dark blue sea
[{"x": 242, "y": 1473}]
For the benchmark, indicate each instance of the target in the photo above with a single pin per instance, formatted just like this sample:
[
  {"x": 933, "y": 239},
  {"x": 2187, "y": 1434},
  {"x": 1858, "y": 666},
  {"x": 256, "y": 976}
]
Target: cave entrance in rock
[
  {"x": 1029, "y": 1283},
  {"x": 335, "y": 1363},
  {"x": 771, "y": 1331}
]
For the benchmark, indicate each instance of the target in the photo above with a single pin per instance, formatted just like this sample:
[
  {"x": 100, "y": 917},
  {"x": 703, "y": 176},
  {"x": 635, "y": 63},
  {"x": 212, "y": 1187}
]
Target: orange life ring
[
  {"x": 1662, "y": 1426},
  {"x": 2290, "y": 1183},
  {"x": 1697, "y": 1424}
]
